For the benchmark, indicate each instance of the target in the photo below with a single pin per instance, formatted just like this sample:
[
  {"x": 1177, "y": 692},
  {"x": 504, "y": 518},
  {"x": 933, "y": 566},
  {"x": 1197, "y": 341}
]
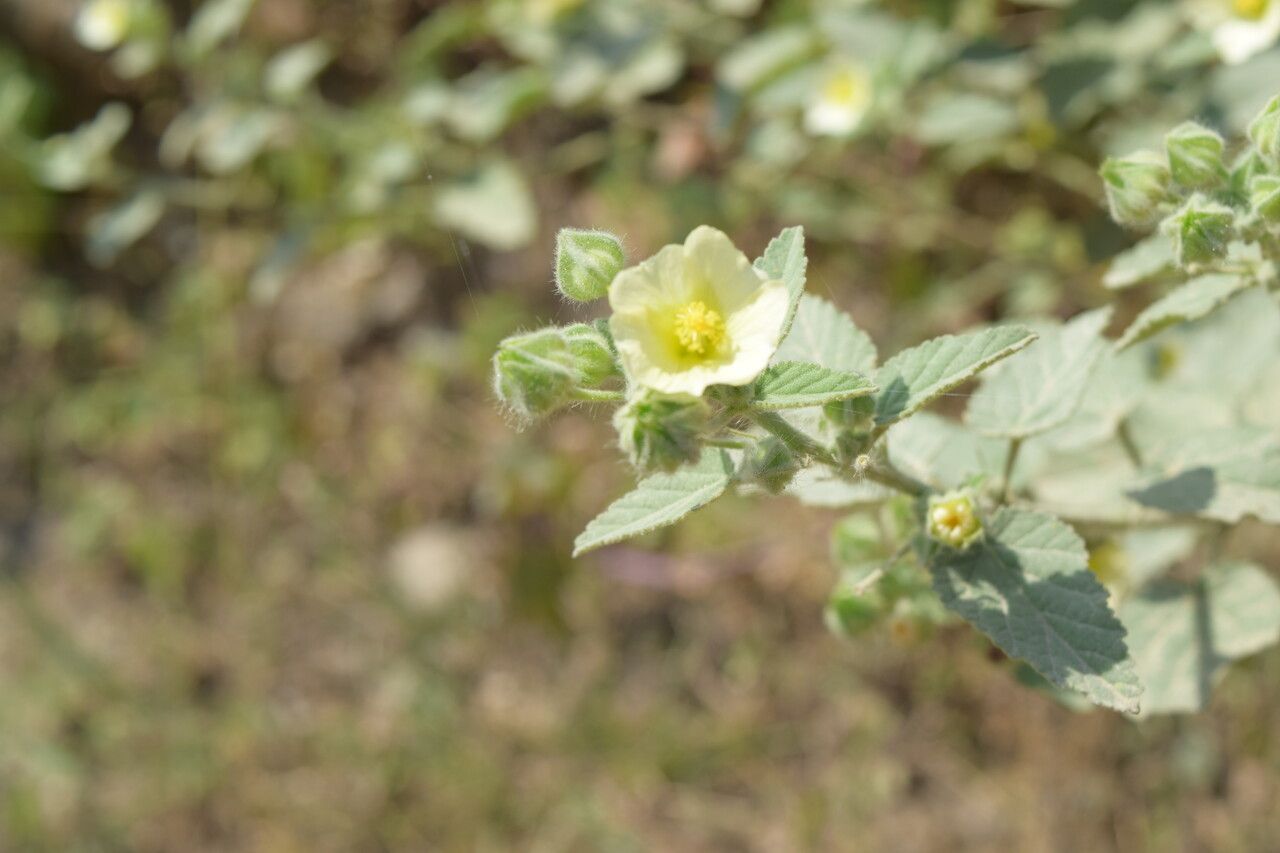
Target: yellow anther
[
  {"x": 846, "y": 87},
  {"x": 699, "y": 329},
  {"x": 1251, "y": 10}
]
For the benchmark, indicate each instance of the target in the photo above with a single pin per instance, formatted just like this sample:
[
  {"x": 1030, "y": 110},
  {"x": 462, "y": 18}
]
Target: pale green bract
[{"x": 1027, "y": 585}]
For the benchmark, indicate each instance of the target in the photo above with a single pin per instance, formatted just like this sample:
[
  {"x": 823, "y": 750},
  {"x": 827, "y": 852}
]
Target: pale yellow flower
[
  {"x": 696, "y": 315},
  {"x": 103, "y": 24},
  {"x": 841, "y": 101},
  {"x": 1239, "y": 29}
]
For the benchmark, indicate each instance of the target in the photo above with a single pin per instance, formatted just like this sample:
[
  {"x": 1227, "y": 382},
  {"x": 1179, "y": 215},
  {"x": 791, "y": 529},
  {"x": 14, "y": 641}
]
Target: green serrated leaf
[
  {"x": 1184, "y": 636},
  {"x": 1026, "y": 584},
  {"x": 794, "y": 384},
  {"x": 1142, "y": 262},
  {"x": 658, "y": 501},
  {"x": 1042, "y": 387},
  {"x": 1223, "y": 474},
  {"x": 784, "y": 260},
  {"x": 915, "y": 376},
  {"x": 825, "y": 335},
  {"x": 1195, "y": 299}
]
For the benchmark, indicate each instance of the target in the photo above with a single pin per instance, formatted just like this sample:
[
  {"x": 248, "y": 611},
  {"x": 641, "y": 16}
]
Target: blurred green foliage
[{"x": 277, "y": 577}]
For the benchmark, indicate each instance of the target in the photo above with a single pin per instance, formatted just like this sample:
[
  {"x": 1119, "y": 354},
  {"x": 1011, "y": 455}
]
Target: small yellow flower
[
  {"x": 952, "y": 519},
  {"x": 696, "y": 315},
  {"x": 1239, "y": 29},
  {"x": 842, "y": 100},
  {"x": 103, "y": 24}
]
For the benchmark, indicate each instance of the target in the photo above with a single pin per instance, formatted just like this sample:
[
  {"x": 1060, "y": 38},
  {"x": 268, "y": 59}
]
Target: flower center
[
  {"x": 699, "y": 329},
  {"x": 1250, "y": 10},
  {"x": 954, "y": 521},
  {"x": 847, "y": 87}
]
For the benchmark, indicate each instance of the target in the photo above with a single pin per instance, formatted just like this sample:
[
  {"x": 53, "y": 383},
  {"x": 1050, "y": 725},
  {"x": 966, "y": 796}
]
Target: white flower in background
[
  {"x": 841, "y": 101},
  {"x": 103, "y": 24},
  {"x": 1239, "y": 29},
  {"x": 696, "y": 315}
]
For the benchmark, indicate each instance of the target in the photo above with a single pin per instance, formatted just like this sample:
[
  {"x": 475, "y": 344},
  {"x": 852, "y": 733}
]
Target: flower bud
[
  {"x": 1264, "y": 198},
  {"x": 770, "y": 465},
  {"x": 593, "y": 358},
  {"x": 586, "y": 262},
  {"x": 661, "y": 432},
  {"x": 1201, "y": 231},
  {"x": 533, "y": 374},
  {"x": 1195, "y": 156},
  {"x": 952, "y": 519},
  {"x": 1137, "y": 187},
  {"x": 1246, "y": 167},
  {"x": 855, "y": 540},
  {"x": 851, "y": 610},
  {"x": 1264, "y": 132}
]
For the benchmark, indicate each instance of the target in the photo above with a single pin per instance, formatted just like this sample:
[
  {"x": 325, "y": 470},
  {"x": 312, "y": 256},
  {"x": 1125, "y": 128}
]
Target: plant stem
[
  {"x": 1006, "y": 483},
  {"x": 729, "y": 443},
  {"x": 1126, "y": 441},
  {"x": 793, "y": 438},
  {"x": 886, "y": 475}
]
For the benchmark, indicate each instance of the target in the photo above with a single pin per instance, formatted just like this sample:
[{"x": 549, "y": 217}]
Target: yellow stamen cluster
[
  {"x": 953, "y": 521},
  {"x": 1250, "y": 10},
  {"x": 848, "y": 87},
  {"x": 699, "y": 329}
]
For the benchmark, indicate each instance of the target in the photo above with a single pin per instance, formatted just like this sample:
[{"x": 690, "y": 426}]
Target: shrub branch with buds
[{"x": 1084, "y": 472}]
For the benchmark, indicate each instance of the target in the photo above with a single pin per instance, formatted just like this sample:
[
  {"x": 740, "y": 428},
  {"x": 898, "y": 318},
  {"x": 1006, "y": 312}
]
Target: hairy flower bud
[
  {"x": 593, "y": 358},
  {"x": 1264, "y": 198},
  {"x": 1195, "y": 156},
  {"x": 534, "y": 373},
  {"x": 1264, "y": 132},
  {"x": 952, "y": 519},
  {"x": 1137, "y": 187},
  {"x": 770, "y": 464},
  {"x": 661, "y": 432},
  {"x": 851, "y": 610},
  {"x": 1201, "y": 231},
  {"x": 1246, "y": 167},
  {"x": 586, "y": 262}
]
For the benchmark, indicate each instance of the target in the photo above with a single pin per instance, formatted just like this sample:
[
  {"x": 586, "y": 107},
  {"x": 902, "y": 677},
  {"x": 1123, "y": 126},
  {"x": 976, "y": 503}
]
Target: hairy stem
[
  {"x": 595, "y": 395},
  {"x": 1011, "y": 459}
]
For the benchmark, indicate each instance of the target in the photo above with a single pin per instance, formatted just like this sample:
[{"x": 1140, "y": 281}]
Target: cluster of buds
[
  {"x": 538, "y": 372},
  {"x": 1202, "y": 205}
]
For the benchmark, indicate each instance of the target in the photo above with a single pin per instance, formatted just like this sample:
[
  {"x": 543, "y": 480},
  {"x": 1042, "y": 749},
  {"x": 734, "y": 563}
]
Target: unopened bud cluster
[
  {"x": 1201, "y": 203},
  {"x": 538, "y": 372}
]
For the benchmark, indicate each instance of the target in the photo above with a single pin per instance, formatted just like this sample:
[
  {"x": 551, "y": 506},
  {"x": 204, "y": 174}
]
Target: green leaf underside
[
  {"x": 915, "y": 376},
  {"x": 658, "y": 501},
  {"x": 823, "y": 334},
  {"x": 784, "y": 260},
  {"x": 1143, "y": 261},
  {"x": 1193, "y": 300},
  {"x": 1028, "y": 587},
  {"x": 1223, "y": 474},
  {"x": 1184, "y": 636},
  {"x": 943, "y": 453},
  {"x": 792, "y": 385},
  {"x": 1043, "y": 386},
  {"x": 817, "y": 486}
]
